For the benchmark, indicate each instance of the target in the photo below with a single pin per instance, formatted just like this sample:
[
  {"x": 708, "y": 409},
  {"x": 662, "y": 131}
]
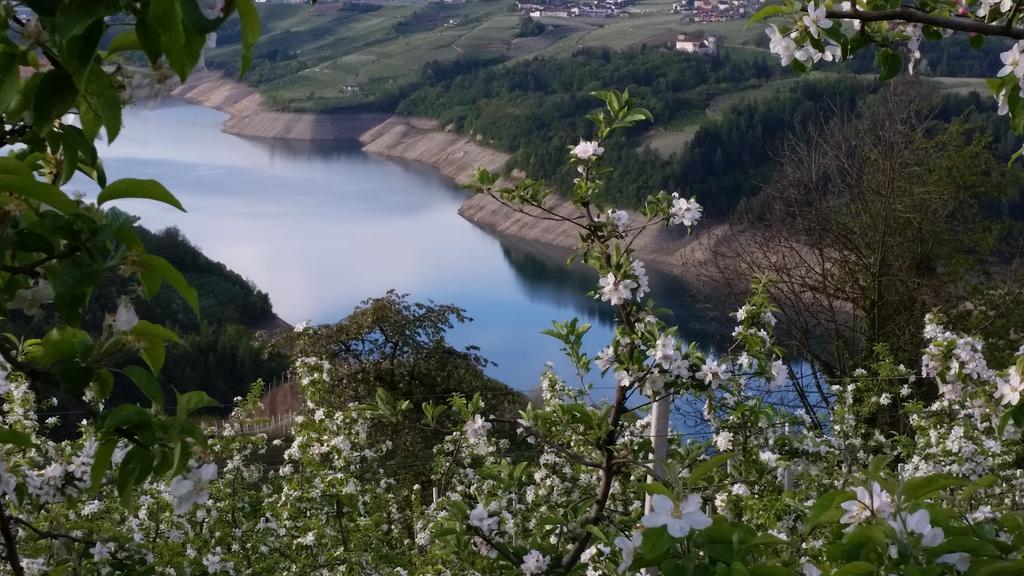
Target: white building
[{"x": 696, "y": 45}]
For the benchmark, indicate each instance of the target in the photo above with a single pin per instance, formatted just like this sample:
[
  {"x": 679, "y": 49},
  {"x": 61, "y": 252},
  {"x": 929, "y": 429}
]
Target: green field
[{"x": 343, "y": 55}]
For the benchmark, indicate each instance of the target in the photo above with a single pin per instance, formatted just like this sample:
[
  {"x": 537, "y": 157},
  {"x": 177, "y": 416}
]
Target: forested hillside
[
  {"x": 221, "y": 352},
  {"x": 738, "y": 112}
]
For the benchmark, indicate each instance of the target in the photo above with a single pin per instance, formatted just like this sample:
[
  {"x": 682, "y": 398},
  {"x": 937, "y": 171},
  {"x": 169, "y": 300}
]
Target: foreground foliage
[{"x": 569, "y": 485}]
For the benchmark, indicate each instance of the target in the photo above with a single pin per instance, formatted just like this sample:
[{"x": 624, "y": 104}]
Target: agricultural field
[{"x": 334, "y": 56}]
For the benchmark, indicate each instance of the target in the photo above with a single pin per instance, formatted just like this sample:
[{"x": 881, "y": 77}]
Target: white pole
[
  {"x": 659, "y": 442},
  {"x": 435, "y": 494}
]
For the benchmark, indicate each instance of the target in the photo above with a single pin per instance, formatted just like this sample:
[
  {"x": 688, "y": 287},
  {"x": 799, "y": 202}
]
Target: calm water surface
[{"x": 323, "y": 226}]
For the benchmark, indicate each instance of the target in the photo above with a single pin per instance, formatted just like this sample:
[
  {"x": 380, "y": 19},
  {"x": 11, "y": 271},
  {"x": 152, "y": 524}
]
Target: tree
[
  {"x": 528, "y": 27},
  {"x": 60, "y": 90},
  {"x": 874, "y": 219}
]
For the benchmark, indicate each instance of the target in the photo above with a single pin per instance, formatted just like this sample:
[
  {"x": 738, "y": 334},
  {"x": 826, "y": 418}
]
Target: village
[{"x": 688, "y": 10}]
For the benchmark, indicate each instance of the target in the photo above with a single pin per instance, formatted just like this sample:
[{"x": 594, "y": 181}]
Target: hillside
[{"x": 356, "y": 55}]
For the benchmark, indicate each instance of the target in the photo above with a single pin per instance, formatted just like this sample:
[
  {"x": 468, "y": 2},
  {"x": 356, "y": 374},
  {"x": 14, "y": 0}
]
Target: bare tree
[{"x": 872, "y": 220}]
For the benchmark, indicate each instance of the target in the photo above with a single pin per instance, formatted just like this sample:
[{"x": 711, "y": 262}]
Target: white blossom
[
  {"x": 918, "y": 523},
  {"x": 782, "y": 45},
  {"x": 215, "y": 563},
  {"x": 959, "y": 560},
  {"x": 616, "y": 291},
  {"x": 684, "y": 211},
  {"x": 779, "y": 375},
  {"x": 125, "y": 318},
  {"x": 534, "y": 563},
  {"x": 876, "y": 502},
  {"x": 1013, "y": 61},
  {"x": 480, "y": 518},
  {"x": 815, "y": 19},
  {"x": 679, "y": 518},
  {"x": 31, "y": 300},
  {"x": 191, "y": 489},
  {"x": 627, "y": 547},
  {"x": 586, "y": 150},
  {"x": 476, "y": 428},
  {"x": 1008, "y": 389},
  {"x": 723, "y": 440},
  {"x": 211, "y": 9}
]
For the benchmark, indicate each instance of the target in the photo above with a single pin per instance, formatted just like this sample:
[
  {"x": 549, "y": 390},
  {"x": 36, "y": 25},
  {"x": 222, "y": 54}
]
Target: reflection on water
[
  {"x": 321, "y": 226},
  {"x": 545, "y": 275}
]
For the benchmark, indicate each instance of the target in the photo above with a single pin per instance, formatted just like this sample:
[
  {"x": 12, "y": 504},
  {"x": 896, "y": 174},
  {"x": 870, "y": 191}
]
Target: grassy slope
[{"x": 307, "y": 55}]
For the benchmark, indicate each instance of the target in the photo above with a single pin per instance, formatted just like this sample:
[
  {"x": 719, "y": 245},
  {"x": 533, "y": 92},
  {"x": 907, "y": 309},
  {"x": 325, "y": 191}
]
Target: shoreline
[
  {"x": 455, "y": 156},
  {"x": 248, "y": 115}
]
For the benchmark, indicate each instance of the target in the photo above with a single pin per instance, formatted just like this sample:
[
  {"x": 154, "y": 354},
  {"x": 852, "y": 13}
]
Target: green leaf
[
  {"x": 125, "y": 416},
  {"x": 39, "y": 191},
  {"x": 889, "y": 63},
  {"x": 14, "y": 167},
  {"x": 152, "y": 339},
  {"x": 925, "y": 486},
  {"x": 15, "y": 438},
  {"x": 134, "y": 470},
  {"x": 79, "y": 51},
  {"x": 656, "y": 542},
  {"x": 149, "y": 39},
  {"x": 250, "y": 20},
  {"x": 854, "y": 568},
  {"x": 126, "y": 41},
  {"x": 165, "y": 18},
  {"x": 156, "y": 270},
  {"x": 145, "y": 381},
  {"x": 54, "y": 96},
  {"x": 192, "y": 401},
  {"x": 999, "y": 568},
  {"x": 101, "y": 462},
  {"x": 770, "y": 570},
  {"x": 102, "y": 97},
  {"x": 10, "y": 80},
  {"x": 657, "y": 488},
  {"x": 768, "y": 12},
  {"x": 979, "y": 484},
  {"x": 878, "y": 464},
  {"x": 710, "y": 465},
  {"x": 103, "y": 384},
  {"x": 826, "y": 508},
  {"x": 74, "y": 17},
  {"x": 138, "y": 188}
]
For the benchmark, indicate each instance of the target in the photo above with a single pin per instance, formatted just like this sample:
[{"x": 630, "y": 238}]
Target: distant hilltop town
[
  {"x": 688, "y": 10},
  {"x": 559, "y": 9}
]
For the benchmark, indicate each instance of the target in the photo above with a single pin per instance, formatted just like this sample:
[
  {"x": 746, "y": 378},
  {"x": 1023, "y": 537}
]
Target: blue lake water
[{"x": 322, "y": 226}]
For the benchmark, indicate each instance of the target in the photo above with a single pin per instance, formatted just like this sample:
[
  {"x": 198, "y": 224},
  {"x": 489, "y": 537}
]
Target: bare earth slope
[
  {"x": 421, "y": 139},
  {"x": 457, "y": 156},
  {"x": 250, "y": 117}
]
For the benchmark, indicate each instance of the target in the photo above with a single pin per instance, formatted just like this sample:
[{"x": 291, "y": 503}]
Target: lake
[{"x": 321, "y": 226}]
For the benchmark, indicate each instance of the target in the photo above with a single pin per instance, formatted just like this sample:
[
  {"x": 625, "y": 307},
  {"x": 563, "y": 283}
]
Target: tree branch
[
  {"x": 10, "y": 541},
  {"x": 907, "y": 14}
]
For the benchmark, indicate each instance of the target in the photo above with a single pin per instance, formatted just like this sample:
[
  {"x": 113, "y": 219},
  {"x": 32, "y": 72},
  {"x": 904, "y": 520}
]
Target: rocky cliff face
[
  {"x": 250, "y": 117},
  {"x": 669, "y": 249},
  {"x": 422, "y": 140}
]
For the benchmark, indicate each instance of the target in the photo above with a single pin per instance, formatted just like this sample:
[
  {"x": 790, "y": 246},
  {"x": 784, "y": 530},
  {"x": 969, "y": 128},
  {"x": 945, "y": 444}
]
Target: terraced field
[{"x": 344, "y": 55}]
